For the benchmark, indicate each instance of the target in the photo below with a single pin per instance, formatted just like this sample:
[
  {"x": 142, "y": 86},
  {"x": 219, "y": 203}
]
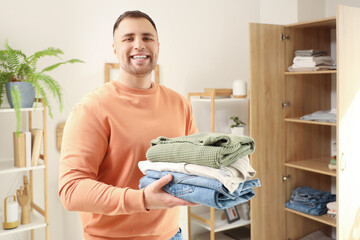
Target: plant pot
[
  {"x": 27, "y": 93},
  {"x": 237, "y": 130}
]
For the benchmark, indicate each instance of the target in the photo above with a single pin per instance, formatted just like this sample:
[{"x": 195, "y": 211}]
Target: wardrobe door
[
  {"x": 267, "y": 128},
  {"x": 348, "y": 124}
]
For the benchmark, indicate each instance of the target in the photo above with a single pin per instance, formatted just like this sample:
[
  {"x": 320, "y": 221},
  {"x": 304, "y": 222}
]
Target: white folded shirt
[{"x": 230, "y": 176}]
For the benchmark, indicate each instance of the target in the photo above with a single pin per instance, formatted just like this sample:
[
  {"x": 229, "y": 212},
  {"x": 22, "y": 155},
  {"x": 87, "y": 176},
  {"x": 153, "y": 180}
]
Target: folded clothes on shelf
[
  {"x": 311, "y": 60},
  {"x": 310, "y": 52},
  {"x": 202, "y": 190},
  {"x": 321, "y": 116},
  {"x": 308, "y": 200}
]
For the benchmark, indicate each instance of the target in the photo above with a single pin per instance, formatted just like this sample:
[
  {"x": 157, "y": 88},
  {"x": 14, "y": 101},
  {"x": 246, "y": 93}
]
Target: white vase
[
  {"x": 237, "y": 130},
  {"x": 239, "y": 89}
]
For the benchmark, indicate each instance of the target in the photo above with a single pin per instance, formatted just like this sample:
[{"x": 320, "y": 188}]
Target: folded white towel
[{"x": 313, "y": 59}]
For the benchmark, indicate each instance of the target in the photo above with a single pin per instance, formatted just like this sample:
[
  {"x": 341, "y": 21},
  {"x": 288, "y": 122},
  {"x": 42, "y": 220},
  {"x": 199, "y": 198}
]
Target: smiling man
[{"x": 109, "y": 132}]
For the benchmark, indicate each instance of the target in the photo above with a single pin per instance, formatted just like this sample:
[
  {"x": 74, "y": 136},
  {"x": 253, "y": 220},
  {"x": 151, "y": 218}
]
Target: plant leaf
[{"x": 52, "y": 67}]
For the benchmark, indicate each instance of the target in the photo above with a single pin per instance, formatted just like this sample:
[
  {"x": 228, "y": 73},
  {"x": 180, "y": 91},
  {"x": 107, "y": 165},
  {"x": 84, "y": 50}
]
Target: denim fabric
[
  {"x": 306, "y": 194},
  {"x": 177, "y": 236},
  {"x": 317, "y": 211},
  {"x": 311, "y": 201},
  {"x": 202, "y": 190}
]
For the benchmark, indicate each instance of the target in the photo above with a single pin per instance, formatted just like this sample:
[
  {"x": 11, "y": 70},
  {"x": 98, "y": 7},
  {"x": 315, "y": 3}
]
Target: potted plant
[
  {"x": 238, "y": 126},
  {"x": 24, "y": 84}
]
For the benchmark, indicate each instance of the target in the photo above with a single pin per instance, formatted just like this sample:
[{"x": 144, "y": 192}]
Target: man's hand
[{"x": 156, "y": 197}]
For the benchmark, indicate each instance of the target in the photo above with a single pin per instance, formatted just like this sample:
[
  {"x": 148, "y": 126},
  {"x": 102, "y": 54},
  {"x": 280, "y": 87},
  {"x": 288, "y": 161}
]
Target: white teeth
[{"x": 139, "y": 57}]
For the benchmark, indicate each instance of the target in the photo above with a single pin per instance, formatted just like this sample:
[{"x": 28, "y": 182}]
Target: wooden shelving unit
[
  {"x": 37, "y": 222},
  {"x": 291, "y": 152},
  {"x": 298, "y": 120},
  {"x": 8, "y": 167},
  {"x": 319, "y": 165},
  {"x": 325, "y": 219},
  {"x": 40, "y": 217},
  {"x": 312, "y": 72},
  {"x": 219, "y": 225}
]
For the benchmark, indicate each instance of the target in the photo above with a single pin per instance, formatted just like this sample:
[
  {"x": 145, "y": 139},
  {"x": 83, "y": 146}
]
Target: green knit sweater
[{"x": 207, "y": 149}]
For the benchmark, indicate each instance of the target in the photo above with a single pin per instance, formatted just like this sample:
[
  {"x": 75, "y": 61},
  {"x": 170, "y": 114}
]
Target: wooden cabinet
[
  {"x": 291, "y": 152},
  {"x": 39, "y": 217}
]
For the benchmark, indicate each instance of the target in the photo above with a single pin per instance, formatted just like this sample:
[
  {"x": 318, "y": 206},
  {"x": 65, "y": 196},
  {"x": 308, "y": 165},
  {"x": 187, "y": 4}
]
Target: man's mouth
[{"x": 139, "y": 57}]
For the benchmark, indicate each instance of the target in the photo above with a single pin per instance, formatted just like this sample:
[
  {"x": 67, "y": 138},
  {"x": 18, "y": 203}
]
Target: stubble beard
[{"x": 142, "y": 71}]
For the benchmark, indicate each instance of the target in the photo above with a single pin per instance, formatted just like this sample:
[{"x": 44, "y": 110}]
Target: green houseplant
[
  {"x": 18, "y": 72},
  {"x": 238, "y": 126}
]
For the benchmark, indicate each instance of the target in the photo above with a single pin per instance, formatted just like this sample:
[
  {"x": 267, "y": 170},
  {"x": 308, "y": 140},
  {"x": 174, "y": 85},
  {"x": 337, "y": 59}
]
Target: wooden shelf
[
  {"x": 8, "y": 167},
  {"x": 312, "y": 72},
  {"x": 319, "y": 165},
  {"x": 220, "y": 225},
  {"x": 298, "y": 120},
  {"x": 36, "y": 221},
  {"x": 329, "y": 22},
  {"x": 323, "y": 219},
  {"x": 8, "y": 110}
]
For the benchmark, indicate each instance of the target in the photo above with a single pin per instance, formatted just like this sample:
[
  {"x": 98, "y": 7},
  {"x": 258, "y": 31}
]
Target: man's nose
[{"x": 139, "y": 44}]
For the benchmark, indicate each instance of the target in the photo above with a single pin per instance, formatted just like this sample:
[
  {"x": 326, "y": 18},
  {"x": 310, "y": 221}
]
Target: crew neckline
[{"x": 136, "y": 91}]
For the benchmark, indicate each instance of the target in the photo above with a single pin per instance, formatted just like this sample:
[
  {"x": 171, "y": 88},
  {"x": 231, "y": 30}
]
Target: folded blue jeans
[
  {"x": 202, "y": 190},
  {"x": 317, "y": 211},
  {"x": 306, "y": 194}
]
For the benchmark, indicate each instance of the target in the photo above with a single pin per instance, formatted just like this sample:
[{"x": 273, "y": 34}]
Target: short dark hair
[{"x": 133, "y": 14}]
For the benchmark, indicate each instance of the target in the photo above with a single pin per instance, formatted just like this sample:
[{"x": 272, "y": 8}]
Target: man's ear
[{"x": 113, "y": 45}]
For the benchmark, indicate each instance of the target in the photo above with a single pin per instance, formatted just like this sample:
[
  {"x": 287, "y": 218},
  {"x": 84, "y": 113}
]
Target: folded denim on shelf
[
  {"x": 202, "y": 190},
  {"x": 310, "y": 204},
  {"x": 316, "y": 211},
  {"x": 207, "y": 149},
  {"x": 308, "y": 200},
  {"x": 306, "y": 194},
  {"x": 230, "y": 176}
]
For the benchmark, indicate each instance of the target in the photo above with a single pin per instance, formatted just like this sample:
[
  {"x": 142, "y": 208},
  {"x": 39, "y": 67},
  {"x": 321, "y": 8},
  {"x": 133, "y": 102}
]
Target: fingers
[
  {"x": 156, "y": 198},
  {"x": 162, "y": 181}
]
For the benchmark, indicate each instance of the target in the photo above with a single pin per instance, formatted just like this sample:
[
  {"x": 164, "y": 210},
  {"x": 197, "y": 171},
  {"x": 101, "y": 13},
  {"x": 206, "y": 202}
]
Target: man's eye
[
  {"x": 127, "y": 39},
  {"x": 147, "y": 39}
]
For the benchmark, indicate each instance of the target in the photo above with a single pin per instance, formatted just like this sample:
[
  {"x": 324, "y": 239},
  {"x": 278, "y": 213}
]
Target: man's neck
[{"x": 133, "y": 81}]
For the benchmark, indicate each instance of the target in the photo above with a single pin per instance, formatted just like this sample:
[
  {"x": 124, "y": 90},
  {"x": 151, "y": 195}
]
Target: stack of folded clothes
[
  {"x": 311, "y": 60},
  {"x": 211, "y": 169},
  {"x": 308, "y": 200},
  {"x": 321, "y": 116}
]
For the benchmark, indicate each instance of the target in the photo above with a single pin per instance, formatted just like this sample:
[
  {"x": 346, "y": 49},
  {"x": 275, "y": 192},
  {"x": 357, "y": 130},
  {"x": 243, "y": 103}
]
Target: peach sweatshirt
[{"x": 105, "y": 136}]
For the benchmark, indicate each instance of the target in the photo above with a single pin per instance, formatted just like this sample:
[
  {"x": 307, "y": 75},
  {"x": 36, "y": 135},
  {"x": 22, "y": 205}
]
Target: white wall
[
  {"x": 310, "y": 10},
  {"x": 278, "y": 11}
]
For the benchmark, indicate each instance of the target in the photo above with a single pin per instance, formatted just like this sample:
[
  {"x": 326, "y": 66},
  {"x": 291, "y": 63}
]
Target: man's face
[{"x": 136, "y": 46}]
